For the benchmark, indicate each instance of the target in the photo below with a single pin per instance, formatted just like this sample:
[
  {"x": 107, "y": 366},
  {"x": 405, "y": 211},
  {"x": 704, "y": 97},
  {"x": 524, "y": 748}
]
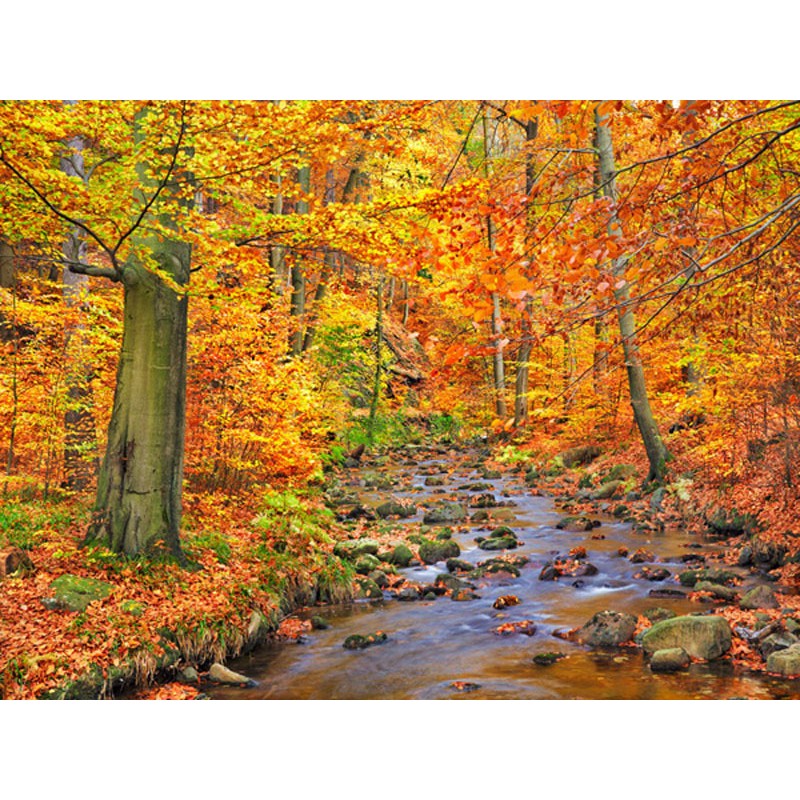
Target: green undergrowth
[{"x": 29, "y": 523}]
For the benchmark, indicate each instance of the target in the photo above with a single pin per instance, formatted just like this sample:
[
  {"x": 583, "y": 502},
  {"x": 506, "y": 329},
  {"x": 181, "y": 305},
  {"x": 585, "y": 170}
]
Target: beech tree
[{"x": 657, "y": 453}]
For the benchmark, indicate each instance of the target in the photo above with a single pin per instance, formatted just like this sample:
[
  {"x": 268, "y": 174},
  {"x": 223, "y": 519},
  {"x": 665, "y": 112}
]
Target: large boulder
[
  {"x": 701, "y": 637},
  {"x": 446, "y": 512},
  {"x": 74, "y": 593},
  {"x": 785, "y": 662},
  {"x": 759, "y": 597},
  {"x": 607, "y": 629}
]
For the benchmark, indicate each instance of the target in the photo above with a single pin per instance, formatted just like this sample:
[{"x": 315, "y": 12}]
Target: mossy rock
[
  {"x": 620, "y": 472},
  {"x": 319, "y": 623},
  {"x": 374, "y": 480},
  {"x": 608, "y": 489},
  {"x": 367, "y": 563},
  {"x": 729, "y": 522},
  {"x": 74, "y": 593},
  {"x": 480, "y": 516},
  {"x": 576, "y": 524},
  {"x": 785, "y": 662},
  {"x": 379, "y": 576},
  {"x": 607, "y": 629},
  {"x": 720, "y": 576},
  {"x": 393, "y": 508},
  {"x": 491, "y": 474},
  {"x": 499, "y": 543},
  {"x": 399, "y": 556},
  {"x": 670, "y": 659},
  {"x": 444, "y": 534},
  {"x": 503, "y": 514},
  {"x": 759, "y": 597},
  {"x": 358, "y": 642},
  {"x": 369, "y": 589},
  {"x": 451, "y": 582},
  {"x": 485, "y": 500},
  {"x": 532, "y": 476},
  {"x": 502, "y": 531},
  {"x": 493, "y": 567},
  {"x": 447, "y": 512},
  {"x": 722, "y": 592},
  {"x": 431, "y": 552},
  {"x": 351, "y": 549},
  {"x": 705, "y": 637},
  {"x": 458, "y": 565},
  {"x": 435, "y": 480}
]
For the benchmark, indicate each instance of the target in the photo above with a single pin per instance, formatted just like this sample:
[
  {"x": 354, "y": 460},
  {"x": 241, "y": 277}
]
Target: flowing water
[{"x": 433, "y": 644}]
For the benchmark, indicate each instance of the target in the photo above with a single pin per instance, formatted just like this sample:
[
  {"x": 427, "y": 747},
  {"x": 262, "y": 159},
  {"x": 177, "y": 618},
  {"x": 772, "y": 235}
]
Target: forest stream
[{"x": 438, "y": 649}]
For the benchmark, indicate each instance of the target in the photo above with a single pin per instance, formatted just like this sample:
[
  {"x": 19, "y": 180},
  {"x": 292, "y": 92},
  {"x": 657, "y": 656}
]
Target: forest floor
[{"x": 159, "y": 627}]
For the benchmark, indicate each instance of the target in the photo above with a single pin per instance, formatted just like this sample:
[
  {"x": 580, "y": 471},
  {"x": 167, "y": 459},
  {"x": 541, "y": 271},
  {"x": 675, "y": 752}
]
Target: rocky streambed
[{"x": 475, "y": 585}]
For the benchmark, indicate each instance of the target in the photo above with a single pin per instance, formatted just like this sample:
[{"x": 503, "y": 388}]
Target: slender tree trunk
[
  {"x": 657, "y": 453},
  {"x": 376, "y": 384},
  {"x": 521, "y": 404},
  {"x": 277, "y": 254},
  {"x": 298, "y": 302},
  {"x": 600, "y": 354},
  {"x": 10, "y": 335},
  {"x": 329, "y": 263},
  {"x": 7, "y": 265},
  {"x": 80, "y": 438},
  {"x": 406, "y": 303},
  {"x": 498, "y": 365},
  {"x": 693, "y": 374}
]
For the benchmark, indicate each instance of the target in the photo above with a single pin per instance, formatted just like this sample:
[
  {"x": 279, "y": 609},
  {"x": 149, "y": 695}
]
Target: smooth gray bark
[
  {"x": 498, "y": 364},
  {"x": 80, "y": 438},
  {"x": 298, "y": 275},
  {"x": 657, "y": 454},
  {"x": 521, "y": 404}
]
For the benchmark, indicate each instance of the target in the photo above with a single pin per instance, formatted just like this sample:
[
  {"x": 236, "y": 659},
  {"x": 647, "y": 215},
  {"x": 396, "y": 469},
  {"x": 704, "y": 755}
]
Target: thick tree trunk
[
  {"x": 657, "y": 453},
  {"x": 138, "y": 507}
]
